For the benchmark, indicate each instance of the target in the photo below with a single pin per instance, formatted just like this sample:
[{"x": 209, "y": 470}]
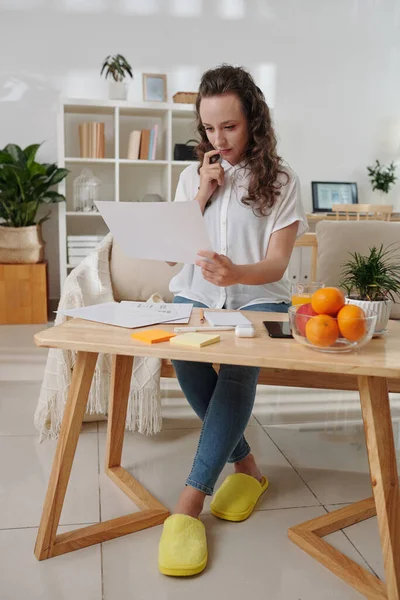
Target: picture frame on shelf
[
  {"x": 154, "y": 87},
  {"x": 326, "y": 193}
]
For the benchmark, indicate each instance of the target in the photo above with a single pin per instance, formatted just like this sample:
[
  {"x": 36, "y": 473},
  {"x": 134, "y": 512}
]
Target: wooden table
[{"x": 373, "y": 370}]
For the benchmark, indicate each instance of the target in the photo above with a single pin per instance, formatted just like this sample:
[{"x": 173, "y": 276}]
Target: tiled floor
[{"x": 313, "y": 469}]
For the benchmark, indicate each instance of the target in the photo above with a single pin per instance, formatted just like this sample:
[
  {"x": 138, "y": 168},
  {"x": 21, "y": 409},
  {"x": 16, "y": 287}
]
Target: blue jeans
[{"x": 224, "y": 402}]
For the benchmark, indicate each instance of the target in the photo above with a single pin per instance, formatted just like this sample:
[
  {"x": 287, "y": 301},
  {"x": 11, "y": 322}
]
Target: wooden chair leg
[
  {"x": 65, "y": 452},
  {"x": 383, "y": 468}
]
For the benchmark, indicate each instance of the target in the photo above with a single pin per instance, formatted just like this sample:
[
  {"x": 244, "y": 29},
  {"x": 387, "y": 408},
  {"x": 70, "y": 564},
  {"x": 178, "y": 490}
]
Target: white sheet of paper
[
  {"x": 114, "y": 313},
  {"x": 226, "y": 318},
  {"x": 122, "y": 314},
  {"x": 169, "y": 231},
  {"x": 179, "y": 313}
]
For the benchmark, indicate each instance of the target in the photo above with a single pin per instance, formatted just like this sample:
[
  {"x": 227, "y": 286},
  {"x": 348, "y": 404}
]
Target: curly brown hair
[{"x": 261, "y": 155}]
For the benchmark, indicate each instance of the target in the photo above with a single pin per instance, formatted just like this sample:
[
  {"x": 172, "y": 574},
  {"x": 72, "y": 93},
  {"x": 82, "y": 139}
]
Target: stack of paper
[{"x": 80, "y": 246}]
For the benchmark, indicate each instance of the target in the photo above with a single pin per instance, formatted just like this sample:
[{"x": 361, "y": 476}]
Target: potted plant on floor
[
  {"x": 382, "y": 178},
  {"x": 117, "y": 67},
  {"x": 373, "y": 281},
  {"x": 24, "y": 186}
]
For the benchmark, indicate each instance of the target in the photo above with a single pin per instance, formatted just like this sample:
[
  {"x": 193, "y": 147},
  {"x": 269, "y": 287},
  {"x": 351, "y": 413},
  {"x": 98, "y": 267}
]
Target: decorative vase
[
  {"x": 117, "y": 90},
  {"x": 381, "y": 197},
  {"x": 381, "y": 308},
  {"x": 21, "y": 244}
]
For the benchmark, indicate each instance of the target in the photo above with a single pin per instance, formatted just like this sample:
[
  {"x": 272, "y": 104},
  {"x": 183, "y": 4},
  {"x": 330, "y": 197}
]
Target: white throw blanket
[{"x": 90, "y": 283}]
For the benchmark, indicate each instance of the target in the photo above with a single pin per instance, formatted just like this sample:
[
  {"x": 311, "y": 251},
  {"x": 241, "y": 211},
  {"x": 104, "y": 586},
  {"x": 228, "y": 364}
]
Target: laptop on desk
[{"x": 327, "y": 193}]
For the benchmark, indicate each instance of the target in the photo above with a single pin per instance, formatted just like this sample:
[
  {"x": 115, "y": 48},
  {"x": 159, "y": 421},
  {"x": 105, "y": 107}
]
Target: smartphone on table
[{"x": 278, "y": 329}]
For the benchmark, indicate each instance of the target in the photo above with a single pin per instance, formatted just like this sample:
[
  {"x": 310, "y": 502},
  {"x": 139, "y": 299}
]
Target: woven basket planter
[{"x": 21, "y": 245}]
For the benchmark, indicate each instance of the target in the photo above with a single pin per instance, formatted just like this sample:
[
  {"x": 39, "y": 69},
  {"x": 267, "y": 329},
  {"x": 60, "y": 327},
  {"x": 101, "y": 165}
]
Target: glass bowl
[{"x": 327, "y": 337}]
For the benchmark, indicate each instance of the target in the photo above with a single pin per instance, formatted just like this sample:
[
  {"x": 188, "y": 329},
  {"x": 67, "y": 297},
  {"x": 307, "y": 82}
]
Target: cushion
[
  {"x": 137, "y": 278},
  {"x": 337, "y": 238}
]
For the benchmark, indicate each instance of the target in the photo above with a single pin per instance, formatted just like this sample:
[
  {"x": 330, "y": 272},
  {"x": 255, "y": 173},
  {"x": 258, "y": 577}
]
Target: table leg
[
  {"x": 70, "y": 429},
  {"x": 48, "y": 543},
  {"x": 117, "y": 407},
  {"x": 385, "y": 503},
  {"x": 383, "y": 468}
]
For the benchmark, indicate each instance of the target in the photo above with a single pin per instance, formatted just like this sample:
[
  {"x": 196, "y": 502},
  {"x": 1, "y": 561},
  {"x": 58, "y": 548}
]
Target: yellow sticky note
[
  {"x": 153, "y": 336},
  {"x": 196, "y": 340}
]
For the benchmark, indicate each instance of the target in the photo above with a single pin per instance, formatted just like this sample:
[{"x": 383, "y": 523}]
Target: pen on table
[
  {"x": 216, "y": 328},
  {"x": 201, "y": 315}
]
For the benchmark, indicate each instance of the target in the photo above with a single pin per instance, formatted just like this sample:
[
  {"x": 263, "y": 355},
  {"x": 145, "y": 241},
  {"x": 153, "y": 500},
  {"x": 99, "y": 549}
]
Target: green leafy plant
[
  {"x": 382, "y": 177},
  {"x": 116, "y": 67},
  {"x": 25, "y": 185},
  {"x": 373, "y": 277}
]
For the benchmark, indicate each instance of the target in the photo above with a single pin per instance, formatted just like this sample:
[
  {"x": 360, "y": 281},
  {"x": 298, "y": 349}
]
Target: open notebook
[{"x": 226, "y": 318}]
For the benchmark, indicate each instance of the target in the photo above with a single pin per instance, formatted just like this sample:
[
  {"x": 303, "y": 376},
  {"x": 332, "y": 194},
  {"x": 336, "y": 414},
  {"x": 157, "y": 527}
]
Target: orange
[
  {"x": 327, "y": 301},
  {"x": 322, "y": 330},
  {"x": 352, "y": 323}
]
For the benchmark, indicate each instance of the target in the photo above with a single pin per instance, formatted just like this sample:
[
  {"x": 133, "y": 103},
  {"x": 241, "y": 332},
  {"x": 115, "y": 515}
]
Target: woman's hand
[
  {"x": 211, "y": 176},
  {"x": 221, "y": 271}
]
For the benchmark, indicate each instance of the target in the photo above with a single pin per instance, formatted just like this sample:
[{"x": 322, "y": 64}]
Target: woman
[{"x": 253, "y": 214}]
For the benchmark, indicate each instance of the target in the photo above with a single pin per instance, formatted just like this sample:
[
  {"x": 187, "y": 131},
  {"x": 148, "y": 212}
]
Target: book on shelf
[
  {"x": 134, "y": 145},
  {"x": 144, "y": 144},
  {"x": 84, "y": 238},
  {"x": 91, "y": 140},
  {"x": 153, "y": 142},
  {"x": 82, "y": 244}
]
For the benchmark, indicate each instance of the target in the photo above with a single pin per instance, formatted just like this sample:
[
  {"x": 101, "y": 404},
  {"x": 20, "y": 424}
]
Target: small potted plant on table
[{"x": 373, "y": 281}]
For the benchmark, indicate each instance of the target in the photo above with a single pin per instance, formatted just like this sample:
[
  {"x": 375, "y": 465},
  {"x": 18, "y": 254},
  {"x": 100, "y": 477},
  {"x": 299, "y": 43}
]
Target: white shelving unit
[{"x": 122, "y": 180}]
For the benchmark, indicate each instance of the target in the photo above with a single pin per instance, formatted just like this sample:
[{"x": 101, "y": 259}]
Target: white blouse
[{"x": 236, "y": 232}]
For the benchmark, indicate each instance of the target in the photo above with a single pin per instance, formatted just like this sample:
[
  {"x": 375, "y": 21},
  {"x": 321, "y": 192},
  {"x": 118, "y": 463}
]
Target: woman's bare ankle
[
  {"x": 248, "y": 466},
  {"x": 190, "y": 502}
]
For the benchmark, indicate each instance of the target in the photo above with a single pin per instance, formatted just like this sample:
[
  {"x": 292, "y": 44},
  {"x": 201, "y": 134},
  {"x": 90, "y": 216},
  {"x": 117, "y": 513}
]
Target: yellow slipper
[
  {"x": 236, "y": 498},
  {"x": 183, "y": 547}
]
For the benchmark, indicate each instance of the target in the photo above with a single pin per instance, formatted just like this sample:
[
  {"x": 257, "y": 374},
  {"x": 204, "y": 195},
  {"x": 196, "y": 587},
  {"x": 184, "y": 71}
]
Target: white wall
[{"x": 330, "y": 68}]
